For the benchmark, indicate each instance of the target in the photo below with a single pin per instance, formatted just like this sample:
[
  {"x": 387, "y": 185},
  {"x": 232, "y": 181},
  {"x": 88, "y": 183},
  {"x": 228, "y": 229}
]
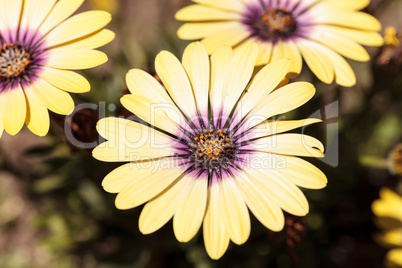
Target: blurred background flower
[
  {"x": 388, "y": 214},
  {"x": 61, "y": 217}
]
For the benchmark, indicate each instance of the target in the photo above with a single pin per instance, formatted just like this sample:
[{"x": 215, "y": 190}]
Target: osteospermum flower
[
  {"x": 209, "y": 151},
  {"x": 39, "y": 44},
  {"x": 388, "y": 210},
  {"x": 317, "y": 30}
]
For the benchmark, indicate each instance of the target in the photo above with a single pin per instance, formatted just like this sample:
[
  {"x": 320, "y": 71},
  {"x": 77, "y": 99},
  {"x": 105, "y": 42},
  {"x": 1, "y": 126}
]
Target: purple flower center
[
  {"x": 273, "y": 24},
  {"x": 15, "y": 61}
]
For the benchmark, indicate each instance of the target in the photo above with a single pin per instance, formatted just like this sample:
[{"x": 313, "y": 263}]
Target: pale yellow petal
[
  {"x": 62, "y": 10},
  {"x": 234, "y": 211},
  {"x": 289, "y": 144},
  {"x": 176, "y": 81},
  {"x": 65, "y": 80},
  {"x": 264, "y": 52},
  {"x": 239, "y": 74},
  {"x": 216, "y": 238},
  {"x": 205, "y": 13},
  {"x": 220, "y": 62},
  {"x": 351, "y": 19},
  {"x": 340, "y": 44},
  {"x": 198, "y": 30},
  {"x": 190, "y": 211},
  {"x": 338, "y": 5},
  {"x": 231, "y": 37},
  {"x": 263, "y": 83},
  {"x": 231, "y": 5},
  {"x": 280, "y": 101},
  {"x": 131, "y": 141},
  {"x": 78, "y": 26},
  {"x": 147, "y": 183},
  {"x": 344, "y": 74},
  {"x": 265, "y": 210},
  {"x": 91, "y": 41},
  {"x": 77, "y": 59},
  {"x": 302, "y": 173},
  {"x": 15, "y": 109},
  {"x": 35, "y": 12},
  {"x": 11, "y": 11},
  {"x": 54, "y": 99},
  {"x": 150, "y": 112},
  {"x": 37, "y": 119},
  {"x": 368, "y": 38},
  {"x": 196, "y": 64},
  {"x": 142, "y": 84},
  {"x": 319, "y": 65},
  {"x": 271, "y": 127},
  {"x": 158, "y": 211},
  {"x": 279, "y": 189}
]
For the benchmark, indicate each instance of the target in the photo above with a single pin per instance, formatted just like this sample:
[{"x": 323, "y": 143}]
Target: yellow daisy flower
[
  {"x": 317, "y": 30},
  {"x": 39, "y": 44},
  {"x": 388, "y": 210},
  {"x": 209, "y": 151}
]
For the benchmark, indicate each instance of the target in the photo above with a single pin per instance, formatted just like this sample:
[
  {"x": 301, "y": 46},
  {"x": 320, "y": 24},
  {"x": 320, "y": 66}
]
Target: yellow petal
[
  {"x": 149, "y": 111},
  {"x": 265, "y": 210},
  {"x": 196, "y": 64},
  {"x": 342, "y": 45},
  {"x": 216, "y": 238},
  {"x": 278, "y": 188},
  {"x": 264, "y": 52},
  {"x": 302, "y": 173},
  {"x": 62, "y": 10},
  {"x": 146, "y": 184},
  {"x": 264, "y": 82},
  {"x": 220, "y": 62},
  {"x": 239, "y": 74},
  {"x": 65, "y": 80},
  {"x": 341, "y": 5},
  {"x": 394, "y": 257},
  {"x": 205, "y": 13},
  {"x": 158, "y": 211},
  {"x": 190, "y": 211},
  {"x": 367, "y": 38},
  {"x": 351, "y": 19},
  {"x": 35, "y": 12},
  {"x": 91, "y": 41},
  {"x": 319, "y": 65},
  {"x": 271, "y": 127},
  {"x": 11, "y": 11},
  {"x": 37, "y": 119},
  {"x": 176, "y": 81},
  {"x": 78, "y": 26},
  {"x": 231, "y": 5},
  {"x": 280, "y": 101},
  {"x": 198, "y": 30},
  {"x": 234, "y": 211},
  {"x": 231, "y": 37},
  {"x": 15, "y": 109},
  {"x": 289, "y": 144},
  {"x": 131, "y": 141},
  {"x": 75, "y": 59},
  {"x": 54, "y": 99},
  {"x": 344, "y": 74}
]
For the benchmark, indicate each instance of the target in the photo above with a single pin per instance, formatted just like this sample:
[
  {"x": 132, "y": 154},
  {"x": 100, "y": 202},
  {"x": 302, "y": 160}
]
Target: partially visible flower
[
  {"x": 39, "y": 45},
  {"x": 111, "y": 6},
  {"x": 209, "y": 153},
  {"x": 395, "y": 160},
  {"x": 388, "y": 210},
  {"x": 391, "y": 53},
  {"x": 316, "y": 30}
]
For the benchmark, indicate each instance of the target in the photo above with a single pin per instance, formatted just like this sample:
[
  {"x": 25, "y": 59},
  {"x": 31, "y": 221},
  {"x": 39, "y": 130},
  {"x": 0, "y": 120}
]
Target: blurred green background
[{"x": 54, "y": 212}]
